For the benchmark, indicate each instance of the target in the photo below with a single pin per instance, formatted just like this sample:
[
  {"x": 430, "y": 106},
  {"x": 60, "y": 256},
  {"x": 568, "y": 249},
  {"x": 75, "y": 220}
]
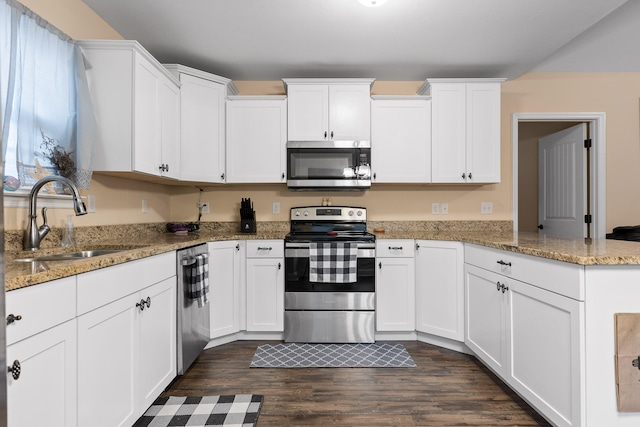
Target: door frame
[{"x": 597, "y": 121}]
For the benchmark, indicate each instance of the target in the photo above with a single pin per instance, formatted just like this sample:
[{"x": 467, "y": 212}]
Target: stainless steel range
[{"x": 329, "y": 276}]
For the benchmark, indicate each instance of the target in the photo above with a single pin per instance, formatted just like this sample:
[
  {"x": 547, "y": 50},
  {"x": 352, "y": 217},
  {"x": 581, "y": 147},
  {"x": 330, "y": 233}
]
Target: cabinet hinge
[
  {"x": 587, "y": 143},
  {"x": 587, "y": 219}
]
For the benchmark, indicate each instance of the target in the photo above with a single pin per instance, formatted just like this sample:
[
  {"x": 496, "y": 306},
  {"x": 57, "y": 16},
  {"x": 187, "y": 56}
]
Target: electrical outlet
[
  {"x": 276, "y": 208},
  {"x": 486, "y": 208},
  {"x": 144, "y": 206},
  {"x": 435, "y": 208},
  {"x": 444, "y": 208},
  {"x": 205, "y": 207}
]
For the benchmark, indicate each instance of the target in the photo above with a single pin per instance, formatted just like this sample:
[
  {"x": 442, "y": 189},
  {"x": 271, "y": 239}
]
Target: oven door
[
  {"x": 328, "y": 164},
  {"x": 296, "y": 260}
]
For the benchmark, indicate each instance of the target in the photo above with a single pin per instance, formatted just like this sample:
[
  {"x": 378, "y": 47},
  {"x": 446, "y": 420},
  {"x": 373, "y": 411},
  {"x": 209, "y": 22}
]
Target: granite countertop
[
  {"x": 22, "y": 274},
  {"x": 133, "y": 245}
]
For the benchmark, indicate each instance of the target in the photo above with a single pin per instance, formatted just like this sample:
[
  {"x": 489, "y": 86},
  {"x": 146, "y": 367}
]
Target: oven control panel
[{"x": 329, "y": 213}]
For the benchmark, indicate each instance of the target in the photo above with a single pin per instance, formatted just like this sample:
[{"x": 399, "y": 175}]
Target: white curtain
[{"x": 48, "y": 116}]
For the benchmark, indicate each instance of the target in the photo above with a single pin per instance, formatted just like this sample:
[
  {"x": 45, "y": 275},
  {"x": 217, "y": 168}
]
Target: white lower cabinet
[
  {"x": 108, "y": 351},
  {"x": 127, "y": 345},
  {"x": 41, "y": 354},
  {"x": 531, "y": 337},
  {"x": 440, "y": 288},
  {"x": 265, "y": 285},
  {"x": 224, "y": 286},
  {"x": 395, "y": 286},
  {"x": 44, "y": 393}
]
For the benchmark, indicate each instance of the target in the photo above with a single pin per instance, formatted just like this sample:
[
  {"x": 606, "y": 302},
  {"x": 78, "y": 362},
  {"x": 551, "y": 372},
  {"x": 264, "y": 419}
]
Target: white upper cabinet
[
  {"x": 329, "y": 109},
  {"x": 465, "y": 129},
  {"x": 137, "y": 107},
  {"x": 202, "y": 123},
  {"x": 401, "y": 139},
  {"x": 256, "y": 139}
]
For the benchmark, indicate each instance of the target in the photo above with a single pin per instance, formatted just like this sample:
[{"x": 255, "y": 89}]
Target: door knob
[{"x": 541, "y": 226}]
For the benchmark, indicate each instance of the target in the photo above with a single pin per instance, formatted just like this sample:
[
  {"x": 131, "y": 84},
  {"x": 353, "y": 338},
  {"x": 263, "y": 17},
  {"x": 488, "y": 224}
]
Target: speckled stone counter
[
  {"x": 142, "y": 240},
  {"x": 133, "y": 241},
  {"x": 576, "y": 251}
]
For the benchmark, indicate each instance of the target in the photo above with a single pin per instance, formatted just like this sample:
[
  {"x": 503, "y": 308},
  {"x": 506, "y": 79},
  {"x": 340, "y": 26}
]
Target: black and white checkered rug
[
  {"x": 293, "y": 355},
  {"x": 239, "y": 410}
]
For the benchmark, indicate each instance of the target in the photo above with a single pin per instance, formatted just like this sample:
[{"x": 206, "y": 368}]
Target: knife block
[{"x": 248, "y": 225}]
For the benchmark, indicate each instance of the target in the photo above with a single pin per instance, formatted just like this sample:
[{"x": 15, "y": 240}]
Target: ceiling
[{"x": 400, "y": 40}]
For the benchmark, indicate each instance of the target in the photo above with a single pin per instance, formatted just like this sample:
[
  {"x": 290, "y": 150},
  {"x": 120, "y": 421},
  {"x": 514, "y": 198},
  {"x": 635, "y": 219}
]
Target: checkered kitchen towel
[
  {"x": 199, "y": 279},
  {"x": 235, "y": 410},
  {"x": 333, "y": 262}
]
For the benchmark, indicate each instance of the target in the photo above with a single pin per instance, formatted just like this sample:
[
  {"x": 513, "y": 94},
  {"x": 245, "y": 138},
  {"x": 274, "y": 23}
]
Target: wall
[{"x": 616, "y": 94}]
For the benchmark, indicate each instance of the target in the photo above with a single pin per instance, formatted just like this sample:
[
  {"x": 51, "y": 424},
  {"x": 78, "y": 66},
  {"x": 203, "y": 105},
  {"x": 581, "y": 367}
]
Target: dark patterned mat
[
  {"x": 235, "y": 410},
  {"x": 293, "y": 355}
]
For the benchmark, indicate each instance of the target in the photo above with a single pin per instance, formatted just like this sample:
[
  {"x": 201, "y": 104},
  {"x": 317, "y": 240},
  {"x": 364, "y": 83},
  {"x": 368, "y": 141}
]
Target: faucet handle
[{"x": 44, "y": 216}]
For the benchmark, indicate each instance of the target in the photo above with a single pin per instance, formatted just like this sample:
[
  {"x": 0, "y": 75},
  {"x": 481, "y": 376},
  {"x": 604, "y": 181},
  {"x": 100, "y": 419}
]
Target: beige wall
[{"x": 616, "y": 94}]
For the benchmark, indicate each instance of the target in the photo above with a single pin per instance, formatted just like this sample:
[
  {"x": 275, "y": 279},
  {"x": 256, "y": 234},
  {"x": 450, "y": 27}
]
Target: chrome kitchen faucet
[{"x": 34, "y": 234}]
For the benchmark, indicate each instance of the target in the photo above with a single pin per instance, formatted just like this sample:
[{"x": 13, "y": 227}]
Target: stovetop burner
[
  {"x": 326, "y": 237},
  {"x": 329, "y": 223}
]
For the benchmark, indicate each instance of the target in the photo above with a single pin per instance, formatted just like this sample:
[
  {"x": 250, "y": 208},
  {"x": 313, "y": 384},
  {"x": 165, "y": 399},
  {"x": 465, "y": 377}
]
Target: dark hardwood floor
[{"x": 446, "y": 389}]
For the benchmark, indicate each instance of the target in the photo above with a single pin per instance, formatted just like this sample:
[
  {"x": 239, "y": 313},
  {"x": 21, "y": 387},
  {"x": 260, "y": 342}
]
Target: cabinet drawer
[
  {"x": 40, "y": 307},
  {"x": 265, "y": 249},
  {"x": 100, "y": 287},
  {"x": 560, "y": 277},
  {"x": 389, "y": 248}
]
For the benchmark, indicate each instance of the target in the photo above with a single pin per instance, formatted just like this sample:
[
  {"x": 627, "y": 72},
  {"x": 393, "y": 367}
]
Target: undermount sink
[{"x": 67, "y": 256}]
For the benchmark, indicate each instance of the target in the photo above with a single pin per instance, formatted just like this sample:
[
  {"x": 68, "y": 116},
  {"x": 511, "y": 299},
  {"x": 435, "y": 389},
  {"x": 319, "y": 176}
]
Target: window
[{"x": 47, "y": 117}]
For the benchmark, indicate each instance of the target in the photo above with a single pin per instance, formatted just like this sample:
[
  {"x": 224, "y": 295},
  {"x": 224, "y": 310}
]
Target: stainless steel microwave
[{"x": 329, "y": 165}]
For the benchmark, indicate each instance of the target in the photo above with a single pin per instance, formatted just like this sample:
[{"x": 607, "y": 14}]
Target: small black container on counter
[{"x": 247, "y": 217}]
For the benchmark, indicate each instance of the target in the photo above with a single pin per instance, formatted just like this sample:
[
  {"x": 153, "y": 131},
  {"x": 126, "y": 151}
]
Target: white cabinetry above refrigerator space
[{"x": 329, "y": 109}]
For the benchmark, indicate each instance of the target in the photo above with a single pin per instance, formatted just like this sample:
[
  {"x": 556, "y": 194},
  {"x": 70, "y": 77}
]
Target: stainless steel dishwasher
[{"x": 193, "y": 308}]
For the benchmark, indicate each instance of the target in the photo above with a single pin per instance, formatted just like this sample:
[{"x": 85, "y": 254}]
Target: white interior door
[{"x": 562, "y": 163}]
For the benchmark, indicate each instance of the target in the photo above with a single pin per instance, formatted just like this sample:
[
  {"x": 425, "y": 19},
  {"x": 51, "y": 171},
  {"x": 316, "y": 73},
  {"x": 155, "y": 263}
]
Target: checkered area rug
[
  {"x": 293, "y": 355},
  {"x": 235, "y": 410}
]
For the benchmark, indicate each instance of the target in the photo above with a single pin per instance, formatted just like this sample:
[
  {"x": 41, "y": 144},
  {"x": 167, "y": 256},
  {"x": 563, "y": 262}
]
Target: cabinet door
[
  {"x": 45, "y": 393},
  {"x": 202, "y": 128},
  {"x": 265, "y": 294},
  {"x": 401, "y": 137},
  {"x": 448, "y": 132},
  {"x": 349, "y": 112},
  {"x": 224, "y": 285},
  {"x": 108, "y": 351},
  {"x": 256, "y": 141},
  {"x": 545, "y": 346},
  {"x": 157, "y": 340},
  {"x": 440, "y": 289},
  {"x": 485, "y": 317},
  {"x": 308, "y": 112},
  {"x": 169, "y": 99},
  {"x": 395, "y": 294},
  {"x": 147, "y": 151},
  {"x": 483, "y": 132}
]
